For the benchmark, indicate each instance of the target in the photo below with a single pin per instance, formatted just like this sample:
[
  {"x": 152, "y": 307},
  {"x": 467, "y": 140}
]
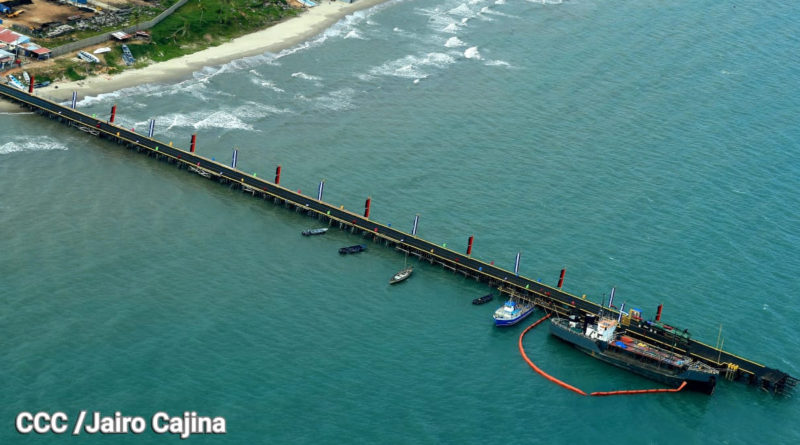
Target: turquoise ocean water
[{"x": 649, "y": 145}]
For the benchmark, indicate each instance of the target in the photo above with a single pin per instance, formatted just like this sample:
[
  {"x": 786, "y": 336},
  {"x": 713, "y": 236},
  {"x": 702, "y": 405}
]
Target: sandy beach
[{"x": 277, "y": 37}]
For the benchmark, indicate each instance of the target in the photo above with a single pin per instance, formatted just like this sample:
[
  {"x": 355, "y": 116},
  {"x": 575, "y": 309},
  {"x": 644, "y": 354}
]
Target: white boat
[
  {"x": 402, "y": 275},
  {"x": 512, "y": 312},
  {"x": 15, "y": 82},
  {"x": 26, "y": 77},
  {"x": 311, "y": 232},
  {"x": 87, "y": 57}
]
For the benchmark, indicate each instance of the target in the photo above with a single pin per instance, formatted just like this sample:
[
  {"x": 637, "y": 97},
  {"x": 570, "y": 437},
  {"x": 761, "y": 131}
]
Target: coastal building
[
  {"x": 6, "y": 59},
  {"x": 9, "y": 40},
  {"x": 17, "y": 44},
  {"x": 120, "y": 36},
  {"x": 35, "y": 51}
]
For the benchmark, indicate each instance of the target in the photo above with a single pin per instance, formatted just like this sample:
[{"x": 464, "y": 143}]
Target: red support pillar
[
  {"x": 194, "y": 141},
  {"x": 469, "y": 245},
  {"x": 113, "y": 113},
  {"x": 278, "y": 175},
  {"x": 366, "y": 207},
  {"x": 30, "y": 86},
  {"x": 561, "y": 279},
  {"x": 658, "y": 314}
]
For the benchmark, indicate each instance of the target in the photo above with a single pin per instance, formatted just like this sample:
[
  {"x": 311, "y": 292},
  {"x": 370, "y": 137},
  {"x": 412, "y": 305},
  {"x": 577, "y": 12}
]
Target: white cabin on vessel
[{"x": 603, "y": 330}]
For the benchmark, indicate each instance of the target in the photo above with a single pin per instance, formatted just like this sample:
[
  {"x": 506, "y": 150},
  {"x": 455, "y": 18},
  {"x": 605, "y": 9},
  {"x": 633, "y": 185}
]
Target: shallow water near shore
[{"x": 645, "y": 145}]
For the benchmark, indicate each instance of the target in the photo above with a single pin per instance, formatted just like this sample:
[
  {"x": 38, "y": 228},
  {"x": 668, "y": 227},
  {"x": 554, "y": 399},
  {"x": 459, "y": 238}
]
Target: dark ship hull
[{"x": 640, "y": 359}]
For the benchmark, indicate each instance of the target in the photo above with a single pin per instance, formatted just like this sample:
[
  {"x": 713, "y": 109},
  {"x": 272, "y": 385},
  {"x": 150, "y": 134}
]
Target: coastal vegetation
[
  {"x": 197, "y": 25},
  {"x": 200, "y": 24}
]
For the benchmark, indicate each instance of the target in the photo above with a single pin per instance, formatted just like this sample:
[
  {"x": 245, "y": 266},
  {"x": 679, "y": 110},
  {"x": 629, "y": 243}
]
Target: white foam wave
[
  {"x": 231, "y": 118},
  {"x": 472, "y": 53},
  {"x": 454, "y": 42},
  {"x": 340, "y": 28},
  {"x": 439, "y": 20},
  {"x": 462, "y": 10},
  {"x": 222, "y": 119},
  {"x": 451, "y": 28},
  {"x": 497, "y": 63},
  {"x": 499, "y": 2},
  {"x": 412, "y": 67},
  {"x": 338, "y": 100},
  {"x": 304, "y": 76},
  {"x": 354, "y": 34},
  {"x": 486, "y": 10},
  {"x": 547, "y": 2},
  {"x": 42, "y": 143},
  {"x": 267, "y": 84},
  {"x": 191, "y": 87}
]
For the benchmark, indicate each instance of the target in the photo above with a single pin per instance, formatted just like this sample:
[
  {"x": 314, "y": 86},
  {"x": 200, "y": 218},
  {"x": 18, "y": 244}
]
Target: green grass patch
[
  {"x": 72, "y": 74},
  {"x": 198, "y": 25}
]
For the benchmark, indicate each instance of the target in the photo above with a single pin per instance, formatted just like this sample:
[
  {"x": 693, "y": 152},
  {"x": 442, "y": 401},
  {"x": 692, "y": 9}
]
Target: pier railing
[{"x": 552, "y": 299}]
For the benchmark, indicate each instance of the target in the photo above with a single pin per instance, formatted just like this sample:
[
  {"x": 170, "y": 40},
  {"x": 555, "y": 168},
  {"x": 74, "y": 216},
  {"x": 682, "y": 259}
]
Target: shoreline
[{"x": 280, "y": 36}]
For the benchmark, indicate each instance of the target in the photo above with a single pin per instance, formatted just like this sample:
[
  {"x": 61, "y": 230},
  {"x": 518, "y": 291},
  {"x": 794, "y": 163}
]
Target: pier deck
[{"x": 552, "y": 299}]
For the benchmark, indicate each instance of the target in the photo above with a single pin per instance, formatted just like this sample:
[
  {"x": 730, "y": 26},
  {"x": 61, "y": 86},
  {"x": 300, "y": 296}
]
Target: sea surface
[{"x": 647, "y": 145}]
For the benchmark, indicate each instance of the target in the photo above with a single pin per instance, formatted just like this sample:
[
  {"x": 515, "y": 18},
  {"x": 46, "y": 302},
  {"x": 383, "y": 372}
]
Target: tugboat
[
  {"x": 311, "y": 232},
  {"x": 512, "y": 313},
  {"x": 600, "y": 339},
  {"x": 353, "y": 249}
]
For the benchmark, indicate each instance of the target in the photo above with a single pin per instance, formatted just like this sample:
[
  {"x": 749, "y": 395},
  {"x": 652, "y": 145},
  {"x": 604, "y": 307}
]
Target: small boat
[
  {"x": 484, "y": 299},
  {"x": 26, "y": 77},
  {"x": 512, "y": 312},
  {"x": 402, "y": 275},
  {"x": 127, "y": 56},
  {"x": 353, "y": 249},
  {"x": 311, "y": 232},
  {"x": 87, "y": 57},
  {"x": 600, "y": 338},
  {"x": 15, "y": 82},
  {"x": 41, "y": 84}
]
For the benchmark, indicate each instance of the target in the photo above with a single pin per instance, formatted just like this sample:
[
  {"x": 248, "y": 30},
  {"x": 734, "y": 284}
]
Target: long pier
[{"x": 552, "y": 299}]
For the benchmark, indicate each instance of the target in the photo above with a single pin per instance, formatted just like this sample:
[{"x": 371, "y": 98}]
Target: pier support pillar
[
  {"x": 113, "y": 113},
  {"x": 194, "y": 141},
  {"x": 561, "y": 279},
  {"x": 278, "y": 175},
  {"x": 469, "y": 245},
  {"x": 30, "y": 85},
  {"x": 366, "y": 207},
  {"x": 658, "y": 314}
]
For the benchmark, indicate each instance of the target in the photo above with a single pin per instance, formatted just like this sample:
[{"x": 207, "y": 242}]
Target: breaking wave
[
  {"x": 17, "y": 145},
  {"x": 413, "y": 67},
  {"x": 454, "y": 42},
  {"x": 472, "y": 53}
]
